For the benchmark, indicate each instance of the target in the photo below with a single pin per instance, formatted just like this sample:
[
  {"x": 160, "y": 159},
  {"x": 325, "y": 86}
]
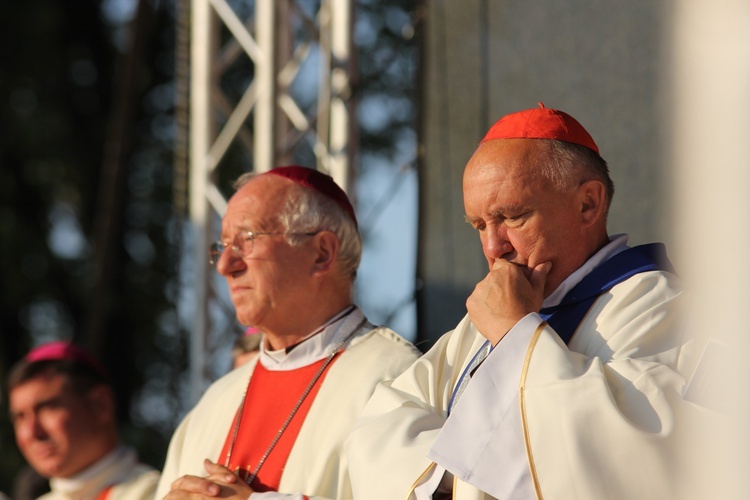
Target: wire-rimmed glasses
[{"x": 243, "y": 244}]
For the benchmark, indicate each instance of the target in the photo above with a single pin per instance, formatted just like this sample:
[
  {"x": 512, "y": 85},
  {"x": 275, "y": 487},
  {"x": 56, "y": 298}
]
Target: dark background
[{"x": 92, "y": 218}]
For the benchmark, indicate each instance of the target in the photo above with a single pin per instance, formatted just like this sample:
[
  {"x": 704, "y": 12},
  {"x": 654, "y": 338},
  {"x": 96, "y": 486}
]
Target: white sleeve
[
  {"x": 387, "y": 450},
  {"x": 171, "y": 470},
  {"x": 489, "y": 403}
]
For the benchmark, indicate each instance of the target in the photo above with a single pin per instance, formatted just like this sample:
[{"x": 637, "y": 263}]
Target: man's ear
[
  {"x": 327, "y": 248},
  {"x": 593, "y": 200},
  {"x": 101, "y": 403}
]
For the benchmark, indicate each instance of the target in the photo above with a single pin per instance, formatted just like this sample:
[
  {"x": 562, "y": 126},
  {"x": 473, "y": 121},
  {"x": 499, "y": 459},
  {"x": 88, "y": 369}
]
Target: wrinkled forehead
[
  {"x": 256, "y": 205},
  {"x": 503, "y": 174},
  {"x": 504, "y": 158}
]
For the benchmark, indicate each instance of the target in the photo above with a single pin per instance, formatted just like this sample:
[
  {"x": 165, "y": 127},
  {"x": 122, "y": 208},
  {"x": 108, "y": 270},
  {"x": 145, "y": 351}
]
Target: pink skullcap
[
  {"x": 541, "y": 123},
  {"x": 251, "y": 330},
  {"x": 320, "y": 182},
  {"x": 62, "y": 351}
]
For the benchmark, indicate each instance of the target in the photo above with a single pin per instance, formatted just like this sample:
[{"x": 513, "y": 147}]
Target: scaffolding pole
[{"x": 277, "y": 39}]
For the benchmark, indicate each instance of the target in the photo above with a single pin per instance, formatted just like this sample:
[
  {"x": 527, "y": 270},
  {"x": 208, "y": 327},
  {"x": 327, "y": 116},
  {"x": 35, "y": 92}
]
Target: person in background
[
  {"x": 63, "y": 412},
  {"x": 246, "y": 348},
  {"x": 27, "y": 484},
  {"x": 565, "y": 379},
  {"x": 274, "y": 428}
]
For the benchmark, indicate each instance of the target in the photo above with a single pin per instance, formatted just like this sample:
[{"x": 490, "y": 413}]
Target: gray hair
[
  {"x": 570, "y": 164},
  {"x": 308, "y": 211}
]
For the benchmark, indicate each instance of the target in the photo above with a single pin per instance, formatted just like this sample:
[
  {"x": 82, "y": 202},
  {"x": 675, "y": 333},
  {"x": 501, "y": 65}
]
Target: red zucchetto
[
  {"x": 541, "y": 123},
  {"x": 65, "y": 351},
  {"x": 320, "y": 182}
]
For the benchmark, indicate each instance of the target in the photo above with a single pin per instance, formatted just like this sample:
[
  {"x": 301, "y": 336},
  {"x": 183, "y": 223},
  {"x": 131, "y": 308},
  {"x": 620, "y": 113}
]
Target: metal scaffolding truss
[{"x": 274, "y": 117}]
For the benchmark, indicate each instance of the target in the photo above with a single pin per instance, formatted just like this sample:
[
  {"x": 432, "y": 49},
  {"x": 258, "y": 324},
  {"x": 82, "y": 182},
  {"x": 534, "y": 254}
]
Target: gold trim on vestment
[
  {"x": 419, "y": 479},
  {"x": 521, "y": 390}
]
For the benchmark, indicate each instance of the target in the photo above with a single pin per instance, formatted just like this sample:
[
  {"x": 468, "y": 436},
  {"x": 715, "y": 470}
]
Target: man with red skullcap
[
  {"x": 275, "y": 427},
  {"x": 63, "y": 413},
  {"x": 562, "y": 380}
]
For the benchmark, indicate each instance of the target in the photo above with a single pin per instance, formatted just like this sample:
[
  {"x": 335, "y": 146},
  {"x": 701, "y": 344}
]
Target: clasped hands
[
  {"x": 220, "y": 483},
  {"x": 507, "y": 294}
]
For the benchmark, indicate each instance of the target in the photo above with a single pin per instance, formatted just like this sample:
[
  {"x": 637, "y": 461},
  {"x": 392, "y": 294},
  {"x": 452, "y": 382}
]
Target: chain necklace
[{"x": 297, "y": 405}]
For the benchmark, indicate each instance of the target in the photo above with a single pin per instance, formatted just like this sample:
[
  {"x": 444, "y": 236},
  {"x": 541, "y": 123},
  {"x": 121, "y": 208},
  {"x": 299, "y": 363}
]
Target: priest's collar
[
  {"x": 110, "y": 468},
  {"x": 617, "y": 244},
  {"x": 315, "y": 346}
]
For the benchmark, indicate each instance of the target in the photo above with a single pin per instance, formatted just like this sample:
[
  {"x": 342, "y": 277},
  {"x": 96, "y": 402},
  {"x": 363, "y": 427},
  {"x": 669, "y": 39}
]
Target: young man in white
[{"x": 63, "y": 413}]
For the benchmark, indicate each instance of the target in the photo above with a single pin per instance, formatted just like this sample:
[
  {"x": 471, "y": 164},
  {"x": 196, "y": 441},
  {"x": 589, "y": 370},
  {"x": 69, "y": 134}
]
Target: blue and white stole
[{"x": 565, "y": 317}]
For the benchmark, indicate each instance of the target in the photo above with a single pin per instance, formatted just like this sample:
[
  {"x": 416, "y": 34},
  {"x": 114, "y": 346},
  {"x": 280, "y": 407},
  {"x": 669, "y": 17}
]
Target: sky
[{"x": 385, "y": 284}]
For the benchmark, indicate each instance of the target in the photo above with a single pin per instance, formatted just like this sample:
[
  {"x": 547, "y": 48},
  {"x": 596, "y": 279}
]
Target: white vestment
[
  {"x": 592, "y": 420},
  {"x": 316, "y": 466},
  {"x": 120, "y": 469}
]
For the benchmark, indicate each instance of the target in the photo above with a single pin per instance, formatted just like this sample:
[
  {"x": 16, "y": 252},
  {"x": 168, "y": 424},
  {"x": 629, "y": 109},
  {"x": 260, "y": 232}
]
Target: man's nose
[
  {"x": 496, "y": 243},
  {"x": 230, "y": 262}
]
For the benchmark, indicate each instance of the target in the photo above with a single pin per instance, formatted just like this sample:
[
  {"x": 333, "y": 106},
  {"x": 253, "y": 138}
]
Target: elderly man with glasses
[{"x": 275, "y": 427}]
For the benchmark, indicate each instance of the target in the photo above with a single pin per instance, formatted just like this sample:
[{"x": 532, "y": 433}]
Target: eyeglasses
[{"x": 242, "y": 244}]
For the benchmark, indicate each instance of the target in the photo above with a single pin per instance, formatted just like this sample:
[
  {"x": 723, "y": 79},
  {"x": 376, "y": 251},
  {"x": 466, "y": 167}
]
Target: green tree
[{"x": 90, "y": 242}]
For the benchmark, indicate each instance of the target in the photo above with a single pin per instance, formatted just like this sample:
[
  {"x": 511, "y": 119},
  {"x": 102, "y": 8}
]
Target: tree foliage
[{"x": 64, "y": 65}]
